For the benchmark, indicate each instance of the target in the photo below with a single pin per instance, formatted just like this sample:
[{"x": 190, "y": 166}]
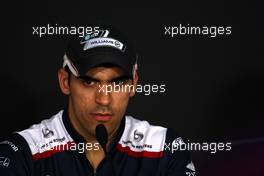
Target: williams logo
[
  {"x": 47, "y": 133},
  {"x": 101, "y": 39},
  {"x": 138, "y": 136}
]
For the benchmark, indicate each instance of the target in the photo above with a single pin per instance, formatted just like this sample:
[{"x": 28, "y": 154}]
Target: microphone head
[{"x": 101, "y": 135}]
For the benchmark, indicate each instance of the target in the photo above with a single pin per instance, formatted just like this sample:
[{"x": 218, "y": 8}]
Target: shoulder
[
  {"x": 19, "y": 150},
  {"x": 14, "y": 155},
  {"x": 47, "y": 134},
  {"x": 141, "y": 138},
  {"x": 143, "y": 130},
  {"x": 134, "y": 126}
]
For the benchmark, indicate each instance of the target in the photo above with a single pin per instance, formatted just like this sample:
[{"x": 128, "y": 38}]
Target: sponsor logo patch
[
  {"x": 138, "y": 136},
  {"x": 4, "y": 161},
  {"x": 101, "y": 39},
  {"x": 13, "y": 146},
  {"x": 47, "y": 133}
]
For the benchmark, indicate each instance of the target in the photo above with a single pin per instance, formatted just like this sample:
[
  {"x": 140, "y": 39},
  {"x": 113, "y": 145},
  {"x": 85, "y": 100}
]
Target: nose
[{"x": 103, "y": 97}]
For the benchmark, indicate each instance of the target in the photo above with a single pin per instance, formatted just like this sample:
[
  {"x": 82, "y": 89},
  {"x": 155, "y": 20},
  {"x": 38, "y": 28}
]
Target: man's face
[{"x": 90, "y": 105}]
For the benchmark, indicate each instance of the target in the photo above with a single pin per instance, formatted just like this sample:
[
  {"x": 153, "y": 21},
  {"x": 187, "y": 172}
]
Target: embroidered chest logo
[
  {"x": 138, "y": 136},
  {"x": 47, "y": 133}
]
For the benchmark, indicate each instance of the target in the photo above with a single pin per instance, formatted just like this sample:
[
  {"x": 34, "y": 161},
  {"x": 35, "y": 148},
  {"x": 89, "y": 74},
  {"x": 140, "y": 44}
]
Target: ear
[
  {"x": 135, "y": 81},
  {"x": 63, "y": 78}
]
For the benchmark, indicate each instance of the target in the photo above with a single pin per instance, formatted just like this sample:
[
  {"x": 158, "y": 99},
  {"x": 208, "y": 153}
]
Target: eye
[{"x": 87, "y": 81}]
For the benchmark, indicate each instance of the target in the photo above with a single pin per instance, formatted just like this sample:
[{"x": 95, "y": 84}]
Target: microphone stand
[{"x": 102, "y": 138}]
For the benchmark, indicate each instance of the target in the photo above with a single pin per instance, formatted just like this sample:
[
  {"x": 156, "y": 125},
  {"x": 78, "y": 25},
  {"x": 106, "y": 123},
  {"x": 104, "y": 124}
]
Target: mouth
[{"x": 102, "y": 117}]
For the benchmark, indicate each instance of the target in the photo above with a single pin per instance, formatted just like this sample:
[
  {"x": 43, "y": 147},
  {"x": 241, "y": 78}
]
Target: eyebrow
[
  {"x": 122, "y": 77},
  {"x": 85, "y": 77},
  {"x": 119, "y": 78}
]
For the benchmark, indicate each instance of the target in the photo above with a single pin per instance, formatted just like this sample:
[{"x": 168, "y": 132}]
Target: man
[{"x": 92, "y": 135}]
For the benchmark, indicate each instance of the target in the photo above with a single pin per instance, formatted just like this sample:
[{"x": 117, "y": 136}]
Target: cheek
[
  {"x": 82, "y": 100},
  {"x": 119, "y": 104},
  {"x": 120, "y": 101}
]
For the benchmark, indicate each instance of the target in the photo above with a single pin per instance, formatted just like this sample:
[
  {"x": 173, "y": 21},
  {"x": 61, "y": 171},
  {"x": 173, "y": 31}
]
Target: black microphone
[{"x": 102, "y": 136}]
